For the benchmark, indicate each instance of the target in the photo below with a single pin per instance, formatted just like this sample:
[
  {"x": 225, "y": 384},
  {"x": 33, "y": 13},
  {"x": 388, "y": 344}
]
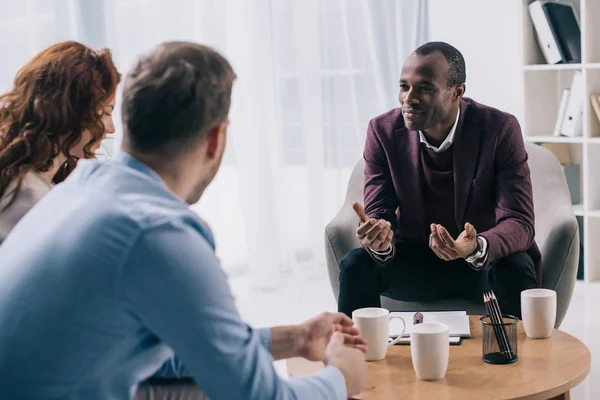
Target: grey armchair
[{"x": 557, "y": 235}]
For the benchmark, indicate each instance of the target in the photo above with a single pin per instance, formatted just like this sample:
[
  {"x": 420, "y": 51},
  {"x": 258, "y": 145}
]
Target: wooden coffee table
[{"x": 546, "y": 369}]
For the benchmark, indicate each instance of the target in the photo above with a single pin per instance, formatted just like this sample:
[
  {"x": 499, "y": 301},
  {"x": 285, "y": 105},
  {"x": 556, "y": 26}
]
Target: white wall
[{"x": 487, "y": 32}]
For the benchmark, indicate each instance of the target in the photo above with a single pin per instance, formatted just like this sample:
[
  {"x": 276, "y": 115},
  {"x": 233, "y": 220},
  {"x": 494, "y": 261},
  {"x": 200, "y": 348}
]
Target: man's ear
[
  {"x": 216, "y": 140},
  {"x": 459, "y": 91}
]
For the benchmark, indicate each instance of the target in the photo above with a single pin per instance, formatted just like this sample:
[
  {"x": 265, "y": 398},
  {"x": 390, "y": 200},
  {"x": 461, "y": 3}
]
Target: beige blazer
[{"x": 32, "y": 190}]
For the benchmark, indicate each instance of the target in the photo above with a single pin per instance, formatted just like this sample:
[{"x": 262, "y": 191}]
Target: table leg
[{"x": 564, "y": 396}]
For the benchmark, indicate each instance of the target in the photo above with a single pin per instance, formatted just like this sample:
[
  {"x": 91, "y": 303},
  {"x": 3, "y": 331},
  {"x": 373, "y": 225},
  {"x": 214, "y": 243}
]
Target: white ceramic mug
[
  {"x": 538, "y": 312},
  {"x": 374, "y": 326},
  {"x": 430, "y": 350}
]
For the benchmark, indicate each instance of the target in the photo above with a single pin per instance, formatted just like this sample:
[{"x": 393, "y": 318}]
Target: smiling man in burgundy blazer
[{"x": 448, "y": 198}]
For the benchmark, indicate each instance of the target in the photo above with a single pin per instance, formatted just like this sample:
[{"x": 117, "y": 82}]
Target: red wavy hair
[{"x": 55, "y": 98}]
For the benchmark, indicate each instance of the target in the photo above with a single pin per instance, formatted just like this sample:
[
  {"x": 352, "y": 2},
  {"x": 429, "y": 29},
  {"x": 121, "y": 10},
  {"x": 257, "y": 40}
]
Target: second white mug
[
  {"x": 430, "y": 350},
  {"x": 538, "y": 312},
  {"x": 374, "y": 326}
]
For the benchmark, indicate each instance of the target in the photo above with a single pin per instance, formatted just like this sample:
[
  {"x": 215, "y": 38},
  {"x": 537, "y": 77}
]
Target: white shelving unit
[{"x": 543, "y": 86}]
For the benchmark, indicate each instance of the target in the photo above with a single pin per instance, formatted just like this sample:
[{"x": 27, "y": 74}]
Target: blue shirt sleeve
[
  {"x": 173, "y": 368},
  {"x": 265, "y": 338},
  {"x": 173, "y": 283}
]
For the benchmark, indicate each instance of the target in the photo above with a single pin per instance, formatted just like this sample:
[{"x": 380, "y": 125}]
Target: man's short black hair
[
  {"x": 174, "y": 95},
  {"x": 456, "y": 63}
]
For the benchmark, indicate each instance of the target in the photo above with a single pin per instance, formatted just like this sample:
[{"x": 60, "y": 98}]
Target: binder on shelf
[
  {"x": 572, "y": 124},
  {"x": 565, "y": 29},
  {"x": 544, "y": 33},
  {"x": 562, "y": 110},
  {"x": 557, "y": 29}
]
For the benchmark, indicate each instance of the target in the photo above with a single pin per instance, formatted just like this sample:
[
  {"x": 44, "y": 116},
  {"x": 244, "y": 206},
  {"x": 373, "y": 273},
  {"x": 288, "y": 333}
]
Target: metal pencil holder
[{"x": 500, "y": 340}]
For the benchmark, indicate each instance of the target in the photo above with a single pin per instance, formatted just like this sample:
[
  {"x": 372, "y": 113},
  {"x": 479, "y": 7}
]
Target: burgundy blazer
[{"x": 492, "y": 184}]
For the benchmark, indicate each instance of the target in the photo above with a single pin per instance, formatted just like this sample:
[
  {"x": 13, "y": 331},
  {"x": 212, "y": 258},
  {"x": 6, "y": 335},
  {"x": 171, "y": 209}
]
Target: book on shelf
[{"x": 557, "y": 29}]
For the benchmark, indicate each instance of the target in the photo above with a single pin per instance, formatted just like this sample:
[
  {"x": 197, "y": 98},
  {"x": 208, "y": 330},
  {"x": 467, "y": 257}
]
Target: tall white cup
[
  {"x": 538, "y": 312},
  {"x": 430, "y": 350},
  {"x": 374, "y": 326}
]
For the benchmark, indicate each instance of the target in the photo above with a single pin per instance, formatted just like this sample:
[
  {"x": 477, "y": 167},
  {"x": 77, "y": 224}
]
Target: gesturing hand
[
  {"x": 449, "y": 249},
  {"x": 318, "y": 331},
  {"x": 374, "y": 234},
  {"x": 350, "y": 362}
]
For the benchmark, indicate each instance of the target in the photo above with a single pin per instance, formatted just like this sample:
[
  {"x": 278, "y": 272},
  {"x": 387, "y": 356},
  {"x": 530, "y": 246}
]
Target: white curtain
[{"x": 311, "y": 73}]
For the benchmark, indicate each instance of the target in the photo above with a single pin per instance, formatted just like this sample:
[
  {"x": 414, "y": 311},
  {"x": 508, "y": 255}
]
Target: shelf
[
  {"x": 543, "y": 86},
  {"x": 553, "y": 139},
  {"x": 553, "y": 67},
  {"x": 560, "y": 67},
  {"x": 579, "y": 210},
  {"x": 593, "y": 213}
]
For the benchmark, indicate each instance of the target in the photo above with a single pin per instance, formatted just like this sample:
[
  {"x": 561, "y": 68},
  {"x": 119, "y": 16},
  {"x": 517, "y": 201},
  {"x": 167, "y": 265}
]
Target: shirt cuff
[
  {"x": 382, "y": 253},
  {"x": 265, "y": 338},
  {"x": 480, "y": 262},
  {"x": 328, "y": 383},
  {"x": 382, "y": 259}
]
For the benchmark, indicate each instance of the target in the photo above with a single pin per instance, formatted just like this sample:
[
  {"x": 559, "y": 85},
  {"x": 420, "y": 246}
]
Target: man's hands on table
[
  {"x": 329, "y": 337},
  {"x": 350, "y": 361},
  {"x": 317, "y": 333}
]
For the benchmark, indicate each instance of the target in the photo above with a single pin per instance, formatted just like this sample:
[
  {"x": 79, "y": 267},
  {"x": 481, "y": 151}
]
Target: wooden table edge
[
  {"x": 559, "y": 392},
  {"x": 564, "y": 389}
]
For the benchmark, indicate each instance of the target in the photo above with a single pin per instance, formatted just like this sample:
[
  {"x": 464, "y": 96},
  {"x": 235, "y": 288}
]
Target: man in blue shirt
[{"x": 111, "y": 273}]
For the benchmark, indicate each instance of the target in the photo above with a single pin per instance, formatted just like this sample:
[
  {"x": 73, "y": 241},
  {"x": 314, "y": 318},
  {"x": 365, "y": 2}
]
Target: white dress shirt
[{"x": 447, "y": 142}]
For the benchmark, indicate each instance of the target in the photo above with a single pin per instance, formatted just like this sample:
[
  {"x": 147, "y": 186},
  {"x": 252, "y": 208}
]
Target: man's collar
[
  {"x": 447, "y": 142},
  {"x": 126, "y": 159}
]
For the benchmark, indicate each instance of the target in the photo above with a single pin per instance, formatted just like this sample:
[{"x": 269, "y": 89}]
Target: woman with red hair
[{"x": 58, "y": 111}]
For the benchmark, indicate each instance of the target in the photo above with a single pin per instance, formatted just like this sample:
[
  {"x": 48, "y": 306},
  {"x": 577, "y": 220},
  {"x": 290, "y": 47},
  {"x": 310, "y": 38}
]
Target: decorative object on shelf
[
  {"x": 557, "y": 29},
  {"x": 595, "y": 100},
  {"x": 560, "y": 150}
]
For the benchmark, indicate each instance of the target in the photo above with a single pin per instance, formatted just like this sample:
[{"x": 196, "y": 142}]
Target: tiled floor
[{"x": 301, "y": 297}]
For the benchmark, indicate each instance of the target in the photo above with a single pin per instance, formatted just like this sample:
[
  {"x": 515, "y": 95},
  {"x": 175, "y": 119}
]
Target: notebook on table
[{"x": 457, "y": 321}]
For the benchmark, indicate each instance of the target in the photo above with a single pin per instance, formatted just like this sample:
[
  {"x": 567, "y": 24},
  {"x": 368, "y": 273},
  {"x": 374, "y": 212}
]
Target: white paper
[{"x": 457, "y": 321}]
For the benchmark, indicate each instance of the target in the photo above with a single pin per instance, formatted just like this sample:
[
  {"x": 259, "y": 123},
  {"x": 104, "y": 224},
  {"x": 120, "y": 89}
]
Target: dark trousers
[{"x": 417, "y": 274}]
